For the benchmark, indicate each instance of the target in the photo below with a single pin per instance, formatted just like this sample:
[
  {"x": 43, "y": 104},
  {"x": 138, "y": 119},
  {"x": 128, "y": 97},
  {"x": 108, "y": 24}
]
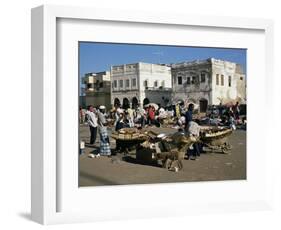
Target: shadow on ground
[
  {"x": 98, "y": 179},
  {"x": 133, "y": 160}
]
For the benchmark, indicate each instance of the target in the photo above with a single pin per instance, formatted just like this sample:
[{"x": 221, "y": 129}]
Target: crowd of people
[
  {"x": 153, "y": 115},
  {"x": 227, "y": 115}
]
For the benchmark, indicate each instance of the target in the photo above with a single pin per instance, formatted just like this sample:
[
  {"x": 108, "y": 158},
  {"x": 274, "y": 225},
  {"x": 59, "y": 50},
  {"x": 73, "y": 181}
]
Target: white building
[
  {"x": 97, "y": 88},
  {"x": 140, "y": 83},
  {"x": 208, "y": 82}
]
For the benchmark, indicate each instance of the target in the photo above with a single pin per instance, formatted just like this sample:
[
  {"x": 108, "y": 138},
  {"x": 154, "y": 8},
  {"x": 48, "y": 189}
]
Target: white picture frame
[{"x": 52, "y": 199}]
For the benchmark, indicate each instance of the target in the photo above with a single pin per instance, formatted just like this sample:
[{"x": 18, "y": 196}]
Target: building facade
[
  {"x": 140, "y": 83},
  {"x": 97, "y": 88},
  {"x": 208, "y": 82}
]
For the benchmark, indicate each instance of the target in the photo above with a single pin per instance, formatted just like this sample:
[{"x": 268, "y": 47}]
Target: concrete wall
[
  {"x": 140, "y": 72},
  {"x": 211, "y": 91},
  {"x": 125, "y": 94},
  {"x": 152, "y": 73},
  {"x": 99, "y": 99},
  {"x": 99, "y": 91},
  {"x": 124, "y": 73},
  {"x": 202, "y": 84},
  {"x": 241, "y": 88},
  {"x": 98, "y": 81},
  {"x": 193, "y": 87},
  {"x": 226, "y": 93},
  {"x": 162, "y": 97}
]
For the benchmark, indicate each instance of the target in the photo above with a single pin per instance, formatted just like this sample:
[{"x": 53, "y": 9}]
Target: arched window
[
  {"x": 135, "y": 103},
  {"x": 145, "y": 101},
  {"x": 116, "y": 102},
  {"x": 126, "y": 103}
]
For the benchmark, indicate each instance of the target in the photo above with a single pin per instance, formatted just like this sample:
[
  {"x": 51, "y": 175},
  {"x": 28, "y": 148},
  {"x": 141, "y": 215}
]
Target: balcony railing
[{"x": 160, "y": 88}]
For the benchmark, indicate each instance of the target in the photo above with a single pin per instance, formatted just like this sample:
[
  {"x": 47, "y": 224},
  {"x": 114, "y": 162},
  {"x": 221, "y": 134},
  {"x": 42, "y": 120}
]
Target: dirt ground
[{"x": 117, "y": 170}]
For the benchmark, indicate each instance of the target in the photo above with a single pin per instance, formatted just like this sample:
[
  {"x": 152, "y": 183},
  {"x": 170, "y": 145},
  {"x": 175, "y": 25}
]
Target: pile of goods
[
  {"x": 165, "y": 150},
  {"x": 128, "y": 138},
  {"x": 210, "y": 132},
  {"x": 128, "y": 134},
  {"x": 168, "y": 150},
  {"x": 215, "y": 139},
  {"x": 167, "y": 122}
]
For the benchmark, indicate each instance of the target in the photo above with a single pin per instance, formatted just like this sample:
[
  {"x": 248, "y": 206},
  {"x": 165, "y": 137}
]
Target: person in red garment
[{"x": 151, "y": 115}]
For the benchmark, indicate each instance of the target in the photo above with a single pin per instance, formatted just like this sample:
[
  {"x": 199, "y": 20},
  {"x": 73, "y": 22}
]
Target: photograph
[{"x": 153, "y": 114}]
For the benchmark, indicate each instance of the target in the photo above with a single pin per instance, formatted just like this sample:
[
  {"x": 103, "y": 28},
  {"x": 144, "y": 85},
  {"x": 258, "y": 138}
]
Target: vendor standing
[
  {"x": 192, "y": 129},
  {"x": 92, "y": 122},
  {"x": 178, "y": 111},
  {"x": 235, "y": 110},
  {"x": 188, "y": 115},
  {"x": 121, "y": 123},
  {"x": 104, "y": 139}
]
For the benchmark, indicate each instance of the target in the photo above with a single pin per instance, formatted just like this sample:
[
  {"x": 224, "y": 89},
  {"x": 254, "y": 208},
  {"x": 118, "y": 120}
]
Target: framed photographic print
[{"x": 141, "y": 114}]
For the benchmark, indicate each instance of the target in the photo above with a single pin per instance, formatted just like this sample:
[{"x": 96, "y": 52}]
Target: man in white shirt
[{"x": 93, "y": 123}]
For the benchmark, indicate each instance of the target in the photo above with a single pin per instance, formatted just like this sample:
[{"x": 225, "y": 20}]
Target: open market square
[{"x": 123, "y": 170}]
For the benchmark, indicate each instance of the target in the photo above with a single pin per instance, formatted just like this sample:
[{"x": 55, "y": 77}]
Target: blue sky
[{"x": 96, "y": 57}]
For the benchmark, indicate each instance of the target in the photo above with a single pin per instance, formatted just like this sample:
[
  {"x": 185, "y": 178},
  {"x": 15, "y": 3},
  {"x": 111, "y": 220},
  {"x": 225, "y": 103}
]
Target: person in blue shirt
[
  {"x": 188, "y": 115},
  {"x": 188, "y": 119}
]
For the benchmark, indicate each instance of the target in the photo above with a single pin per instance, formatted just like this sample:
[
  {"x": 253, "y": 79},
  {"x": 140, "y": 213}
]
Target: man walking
[{"x": 93, "y": 123}]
